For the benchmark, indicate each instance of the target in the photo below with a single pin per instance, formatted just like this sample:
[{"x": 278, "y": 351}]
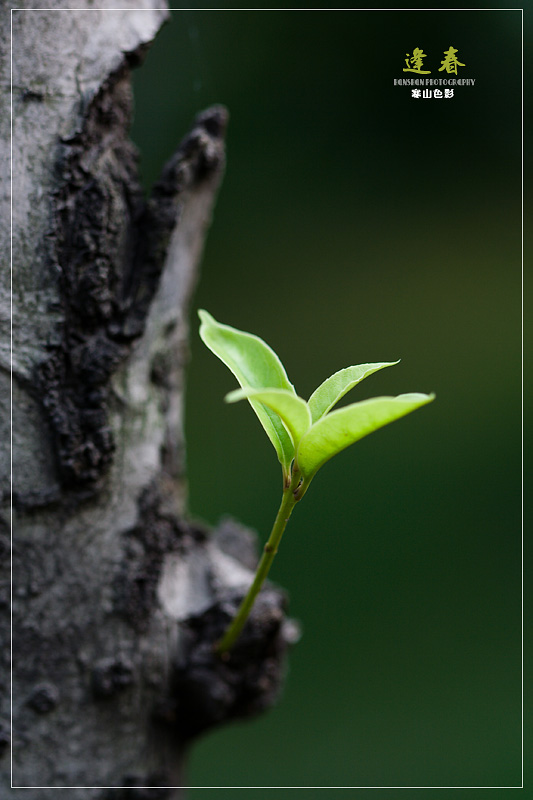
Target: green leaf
[
  {"x": 330, "y": 392},
  {"x": 341, "y": 428},
  {"x": 256, "y": 366},
  {"x": 293, "y": 411}
]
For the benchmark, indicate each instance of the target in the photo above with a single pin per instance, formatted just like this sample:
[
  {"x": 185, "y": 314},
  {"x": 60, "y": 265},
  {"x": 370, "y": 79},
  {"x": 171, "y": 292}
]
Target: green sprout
[{"x": 305, "y": 434}]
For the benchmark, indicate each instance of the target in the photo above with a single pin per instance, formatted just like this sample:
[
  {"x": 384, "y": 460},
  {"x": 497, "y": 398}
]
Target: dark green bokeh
[{"x": 358, "y": 224}]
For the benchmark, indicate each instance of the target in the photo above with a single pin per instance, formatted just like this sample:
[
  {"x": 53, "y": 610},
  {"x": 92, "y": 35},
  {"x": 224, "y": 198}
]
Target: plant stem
[{"x": 290, "y": 497}]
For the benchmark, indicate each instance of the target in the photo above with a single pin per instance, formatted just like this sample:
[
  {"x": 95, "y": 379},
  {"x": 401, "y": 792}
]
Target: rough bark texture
[{"x": 116, "y": 597}]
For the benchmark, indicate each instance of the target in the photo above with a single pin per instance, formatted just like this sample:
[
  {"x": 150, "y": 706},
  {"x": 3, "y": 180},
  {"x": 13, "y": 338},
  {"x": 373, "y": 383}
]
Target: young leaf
[
  {"x": 330, "y": 392},
  {"x": 337, "y": 430},
  {"x": 256, "y": 366},
  {"x": 293, "y": 411}
]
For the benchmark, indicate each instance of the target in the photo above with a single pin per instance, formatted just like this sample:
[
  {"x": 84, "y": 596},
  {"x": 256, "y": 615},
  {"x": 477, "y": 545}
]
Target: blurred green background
[{"x": 358, "y": 224}]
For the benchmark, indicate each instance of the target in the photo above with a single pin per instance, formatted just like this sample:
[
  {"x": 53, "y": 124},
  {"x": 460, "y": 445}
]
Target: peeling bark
[{"x": 117, "y": 596}]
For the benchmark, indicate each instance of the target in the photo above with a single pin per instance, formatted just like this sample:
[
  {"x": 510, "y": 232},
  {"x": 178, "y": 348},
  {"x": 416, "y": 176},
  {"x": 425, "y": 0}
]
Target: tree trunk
[{"x": 116, "y": 597}]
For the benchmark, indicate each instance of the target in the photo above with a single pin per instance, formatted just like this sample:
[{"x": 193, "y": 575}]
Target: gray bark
[{"x": 117, "y": 598}]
